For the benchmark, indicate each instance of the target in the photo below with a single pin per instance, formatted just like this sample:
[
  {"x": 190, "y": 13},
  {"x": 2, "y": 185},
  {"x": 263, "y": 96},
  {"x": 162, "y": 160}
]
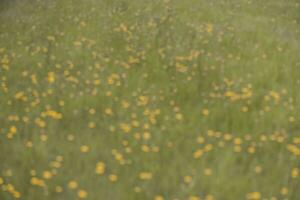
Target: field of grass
[{"x": 152, "y": 99}]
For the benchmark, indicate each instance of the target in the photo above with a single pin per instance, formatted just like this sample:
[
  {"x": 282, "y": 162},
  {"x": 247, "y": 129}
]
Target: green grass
[{"x": 201, "y": 97}]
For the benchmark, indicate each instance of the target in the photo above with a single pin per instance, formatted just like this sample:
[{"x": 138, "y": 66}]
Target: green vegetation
[{"x": 158, "y": 100}]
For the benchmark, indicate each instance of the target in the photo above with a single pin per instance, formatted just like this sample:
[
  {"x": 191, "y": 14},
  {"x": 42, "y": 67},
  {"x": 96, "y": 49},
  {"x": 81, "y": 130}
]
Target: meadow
[{"x": 149, "y": 100}]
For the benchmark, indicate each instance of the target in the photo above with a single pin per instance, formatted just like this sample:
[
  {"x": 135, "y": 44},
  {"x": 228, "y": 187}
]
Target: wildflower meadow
[{"x": 150, "y": 99}]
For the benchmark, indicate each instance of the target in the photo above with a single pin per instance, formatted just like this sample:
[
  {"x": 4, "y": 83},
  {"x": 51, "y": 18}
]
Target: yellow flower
[
  {"x": 205, "y": 112},
  {"x": 108, "y": 111},
  {"x": 146, "y": 135},
  {"x": 251, "y": 149},
  {"x": 238, "y": 141},
  {"x": 37, "y": 182},
  {"x": 51, "y": 38},
  {"x": 209, "y": 197},
  {"x": 245, "y": 109},
  {"x": 92, "y": 111},
  {"x": 187, "y": 179},
  {"x": 82, "y": 194},
  {"x": 295, "y": 172},
  {"x": 100, "y": 168},
  {"x": 237, "y": 148},
  {"x": 58, "y": 189},
  {"x": 227, "y": 136},
  {"x": 179, "y": 116},
  {"x": 200, "y": 140},
  {"x": 145, "y": 175},
  {"x": 253, "y": 196},
  {"x": 92, "y": 125},
  {"x": 159, "y": 197},
  {"x": 43, "y": 137},
  {"x": 125, "y": 104},
  {"x": 40, "y": 122},
  {"x": 284, "y": 191},
  {"x": 13, "y": 129},
  {"x": 72, "y": 184},
  {"x": 51, "y": 77},
  {"x": 137, "y": 189},
  {"x": 61, "y": 103},
  {"x": 292, "y": 119},
  {"x": 209, "y": 28},
  {"x": 126, "y": 127},
  {"x": 194, "y": 198},
  {"x": 145, "y": 148},
  {"x": 143, "y": 100},
  {"x": 19, "y": 95},
  {"x": 208, "y": 147},
  {"x": 77, "y": 43},
  {"x": 113, "y": 177},
  {"x": 84, "y": 148},
  {"x": 198, "y": 153},
  {"x": 258, "y": 169},
  {"x": 16, "y": 194},
  {"x": 47, "y": 175},
  {"x": 208, "y": 172},
  {"x": 70, "y": 137}
]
